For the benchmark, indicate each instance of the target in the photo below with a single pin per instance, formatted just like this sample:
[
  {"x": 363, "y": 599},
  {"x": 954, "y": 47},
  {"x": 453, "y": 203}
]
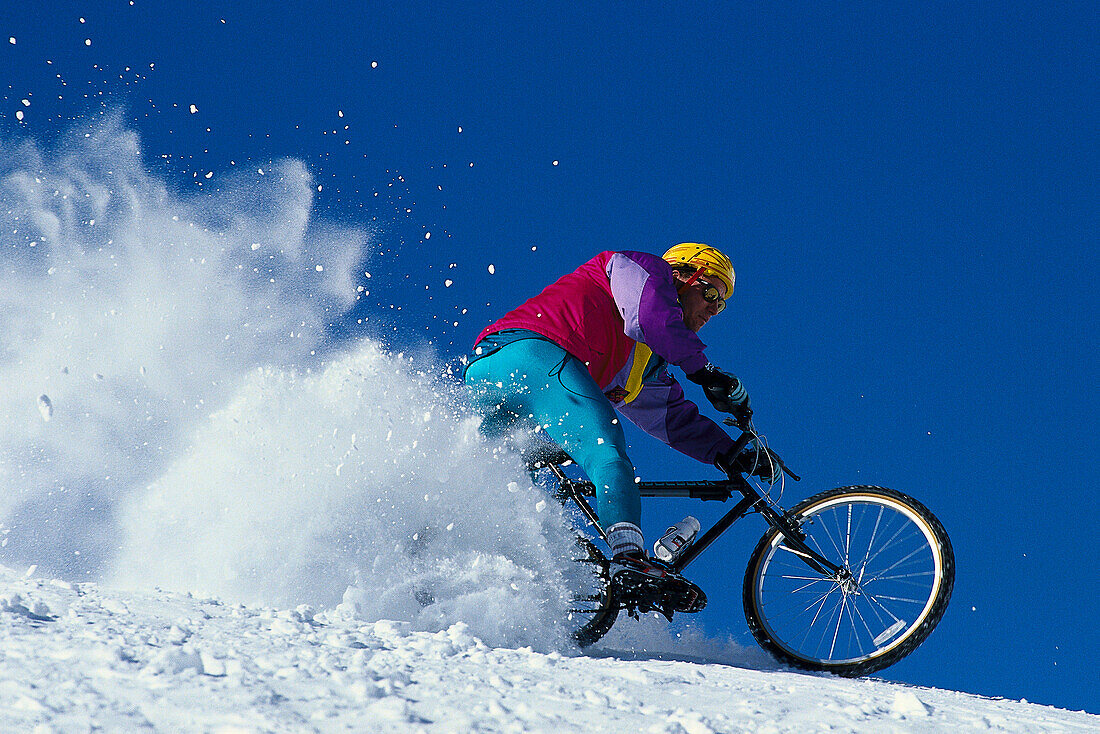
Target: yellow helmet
[{"x": 703, "y": 257}]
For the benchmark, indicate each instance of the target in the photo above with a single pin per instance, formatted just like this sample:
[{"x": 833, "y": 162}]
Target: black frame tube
[
  {"x": 700, "y": 545},
  {"x": 705, "y": 490}
]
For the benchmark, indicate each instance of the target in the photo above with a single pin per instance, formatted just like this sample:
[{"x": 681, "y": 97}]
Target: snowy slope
[
  {"x": 177, "y": 423},
  {"x": 77, "y": 657}
]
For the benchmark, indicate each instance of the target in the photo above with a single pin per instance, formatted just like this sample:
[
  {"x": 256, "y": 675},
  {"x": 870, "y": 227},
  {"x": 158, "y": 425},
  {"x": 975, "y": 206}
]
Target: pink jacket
[{"x": 615, "y": 313}]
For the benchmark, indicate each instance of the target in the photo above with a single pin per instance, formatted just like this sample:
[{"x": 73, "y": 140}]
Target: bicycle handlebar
[{"x": 749, "y": 434}]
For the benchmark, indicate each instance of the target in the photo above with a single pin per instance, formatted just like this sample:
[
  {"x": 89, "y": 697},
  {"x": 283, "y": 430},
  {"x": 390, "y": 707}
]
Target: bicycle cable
[{"x": 761, "y": 442}]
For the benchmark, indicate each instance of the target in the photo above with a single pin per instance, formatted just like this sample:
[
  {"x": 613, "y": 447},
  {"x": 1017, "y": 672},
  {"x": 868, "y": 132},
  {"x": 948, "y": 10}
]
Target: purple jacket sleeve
[
  {"x": 662, "y": 411},
  {"x": 645, "y": 293}
]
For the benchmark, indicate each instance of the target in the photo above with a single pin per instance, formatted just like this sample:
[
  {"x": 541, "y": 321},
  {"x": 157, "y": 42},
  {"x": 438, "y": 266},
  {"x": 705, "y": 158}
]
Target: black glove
[
  {"x": 752, "y": 461},
  {"x": 725, "y": 392}
]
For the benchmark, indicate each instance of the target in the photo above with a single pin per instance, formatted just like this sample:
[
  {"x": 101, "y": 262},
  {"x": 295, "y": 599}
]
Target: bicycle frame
[{"x": 708, "y": 490}]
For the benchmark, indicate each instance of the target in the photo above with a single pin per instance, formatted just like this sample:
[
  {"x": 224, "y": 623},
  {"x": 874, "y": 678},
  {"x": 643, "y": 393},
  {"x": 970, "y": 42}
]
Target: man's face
[{"x": 697, "y": 310}]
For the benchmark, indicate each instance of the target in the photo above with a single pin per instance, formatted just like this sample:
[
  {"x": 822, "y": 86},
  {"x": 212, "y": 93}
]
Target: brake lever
[{"x": 750, "y": 433}]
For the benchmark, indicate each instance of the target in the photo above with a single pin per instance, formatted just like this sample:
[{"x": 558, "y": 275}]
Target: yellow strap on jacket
[{"x": 642, "y": 353}]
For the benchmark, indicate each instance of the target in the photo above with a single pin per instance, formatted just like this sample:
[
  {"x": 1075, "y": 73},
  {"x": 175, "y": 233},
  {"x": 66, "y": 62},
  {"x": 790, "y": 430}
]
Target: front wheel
[{"x": 897, "y": 572}]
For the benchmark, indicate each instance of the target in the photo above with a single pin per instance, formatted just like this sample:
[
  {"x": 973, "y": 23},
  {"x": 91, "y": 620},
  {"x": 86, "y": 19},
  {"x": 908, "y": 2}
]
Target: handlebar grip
[{"x": 743, "y": 441}]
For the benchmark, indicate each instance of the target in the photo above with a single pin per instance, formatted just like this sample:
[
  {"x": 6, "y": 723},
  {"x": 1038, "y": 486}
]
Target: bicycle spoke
[
  {"x": 871, "y": 541},
  {"x": 883, "y": 607},
  {"x": 829, "y": 535},
  {"x": 896, "y": 598},
  {"x": 848, "y": 539},
  {"x": 866, "y": 626},
  {"x": 817, "y": 545},
  {"x": 901, "y": 578},
  {"x": 899, "y": 562},
  {"x": 887, "y": 544},
  {"x": 802, "y": 588},
  {"x": 839, "y": 619},
  {"x": 825, "y": 628}
]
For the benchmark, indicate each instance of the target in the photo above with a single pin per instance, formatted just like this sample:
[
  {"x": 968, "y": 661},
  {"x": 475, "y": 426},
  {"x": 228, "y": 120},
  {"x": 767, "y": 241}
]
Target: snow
[
  {"x": 79, "y": 657},
  {"x": 157, "y": 283},
  {"x": 222, "y": 533}
]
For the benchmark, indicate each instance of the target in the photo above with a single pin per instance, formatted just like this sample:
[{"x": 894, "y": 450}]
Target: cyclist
[{"x": 601, "y": 338}]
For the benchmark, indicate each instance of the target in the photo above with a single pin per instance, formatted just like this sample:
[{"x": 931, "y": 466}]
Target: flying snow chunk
[
  {"x": 193, "y": 109},
  {"x": 448, "y": 283},
  {"x": 11, "y": 40},
  {"x": 87, "y": 42},
  {"x": 374, "y": 64},
  {"x": 19, "y": 115},
  {"x": 45, "y": 407},
  {"x": 427, "y": 235},
  {"x": 26, "y": 102},
  {"x": 492, "y": 269},
  {"x": 320, "y": 268}
]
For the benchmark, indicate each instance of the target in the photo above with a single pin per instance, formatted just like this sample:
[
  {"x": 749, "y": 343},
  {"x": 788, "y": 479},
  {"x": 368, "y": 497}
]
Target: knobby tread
[
  {"x": 914, "y": 638},
  {"x": 601, "y": 622}
]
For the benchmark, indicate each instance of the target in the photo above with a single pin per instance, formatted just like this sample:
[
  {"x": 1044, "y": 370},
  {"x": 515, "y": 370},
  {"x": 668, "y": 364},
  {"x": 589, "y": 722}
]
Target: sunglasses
[{"x": 711, "y": 295}]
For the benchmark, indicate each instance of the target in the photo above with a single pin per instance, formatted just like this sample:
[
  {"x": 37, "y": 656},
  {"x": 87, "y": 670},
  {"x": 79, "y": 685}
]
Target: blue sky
[{"x": 908, "y": 195}]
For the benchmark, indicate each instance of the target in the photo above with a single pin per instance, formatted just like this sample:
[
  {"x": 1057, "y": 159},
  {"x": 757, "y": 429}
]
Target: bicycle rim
[{"x": 901, "y": 570}]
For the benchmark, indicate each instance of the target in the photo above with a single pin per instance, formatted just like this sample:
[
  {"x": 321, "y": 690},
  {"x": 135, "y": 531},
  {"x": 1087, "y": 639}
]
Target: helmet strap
[{"x": 690, "y": 281}]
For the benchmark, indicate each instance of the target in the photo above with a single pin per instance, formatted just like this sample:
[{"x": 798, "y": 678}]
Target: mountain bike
[{"x": 848, "y": 581}]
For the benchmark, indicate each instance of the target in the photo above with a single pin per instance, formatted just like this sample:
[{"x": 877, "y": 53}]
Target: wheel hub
[{"x": 847, "y": 582}]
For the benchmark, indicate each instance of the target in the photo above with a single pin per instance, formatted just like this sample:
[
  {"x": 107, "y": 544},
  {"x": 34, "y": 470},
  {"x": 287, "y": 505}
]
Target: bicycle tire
[
  {"x": 819, "y": 622},
  {"x": 594, "y": 608}
]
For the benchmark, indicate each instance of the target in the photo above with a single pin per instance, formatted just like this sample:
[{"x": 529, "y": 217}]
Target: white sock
[{"x": 624, "y": 537}]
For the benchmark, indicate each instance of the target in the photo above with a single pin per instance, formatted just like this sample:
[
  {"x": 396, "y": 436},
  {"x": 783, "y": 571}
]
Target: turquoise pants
[{"x": 537, "y": 382}]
